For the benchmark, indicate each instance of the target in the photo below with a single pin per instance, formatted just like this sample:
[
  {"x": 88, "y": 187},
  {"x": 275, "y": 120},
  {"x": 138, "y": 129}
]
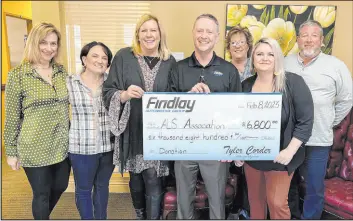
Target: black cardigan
[
  {"x": 125, "y": 71},
  {"x": 298, "y": 100}
]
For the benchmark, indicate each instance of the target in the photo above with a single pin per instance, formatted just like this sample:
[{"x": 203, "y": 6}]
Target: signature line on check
[{"x": 196, "y": 153}]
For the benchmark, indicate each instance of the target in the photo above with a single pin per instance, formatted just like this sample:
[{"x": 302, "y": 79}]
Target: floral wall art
[{"x": 281, "y": 22}]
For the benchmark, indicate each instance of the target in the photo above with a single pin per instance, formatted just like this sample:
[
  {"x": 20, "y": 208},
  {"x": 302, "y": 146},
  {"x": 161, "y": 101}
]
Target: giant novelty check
[{"x": 215, "y": 126}]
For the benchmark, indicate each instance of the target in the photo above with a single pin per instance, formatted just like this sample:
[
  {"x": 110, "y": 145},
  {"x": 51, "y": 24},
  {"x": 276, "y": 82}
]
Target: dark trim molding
[{"x": 3, "y": 87}]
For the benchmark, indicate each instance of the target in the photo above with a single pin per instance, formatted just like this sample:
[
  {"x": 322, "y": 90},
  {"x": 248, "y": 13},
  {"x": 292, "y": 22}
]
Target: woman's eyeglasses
[{"x": 238, "y": 43}]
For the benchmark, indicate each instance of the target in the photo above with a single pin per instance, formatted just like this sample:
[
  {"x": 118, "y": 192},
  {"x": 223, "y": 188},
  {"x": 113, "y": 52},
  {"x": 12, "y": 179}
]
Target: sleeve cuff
[
  {"x": 118, "y": 123},
  {"x": 11, "y": 151},
  {"x": 303, "y": 138}
]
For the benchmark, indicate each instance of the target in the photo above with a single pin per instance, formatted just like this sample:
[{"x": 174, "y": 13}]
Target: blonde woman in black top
[
  {"x": 143, "y": 67},
  {"x": 269, "y": 181}
]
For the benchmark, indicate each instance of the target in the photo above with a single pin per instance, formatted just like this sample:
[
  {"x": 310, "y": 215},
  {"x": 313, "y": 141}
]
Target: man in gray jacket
[{"x": 330, "y": 83}]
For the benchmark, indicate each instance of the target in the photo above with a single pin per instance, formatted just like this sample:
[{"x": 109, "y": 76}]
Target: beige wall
[
  {"x": 46, "y": 11},
  {"x": 50, "y": 11},
  {"x": 177, "y": 18}
]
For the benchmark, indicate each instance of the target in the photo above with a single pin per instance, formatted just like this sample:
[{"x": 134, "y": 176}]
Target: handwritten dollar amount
[{"x": 259, "y": 124}]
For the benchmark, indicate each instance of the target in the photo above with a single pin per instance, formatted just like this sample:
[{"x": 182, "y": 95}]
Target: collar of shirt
[
  {"x": 29, "y": 69},
  {"x": 247, "y": 70},
  {"x": 248, "y": 62},
  {"x": 78, "y": 80},
  {"x": 193, "y": 62},
  {"x": 247, "y": 65},
  {"x": 77, "y": 77},
  {"x": 301, "y": 61}
]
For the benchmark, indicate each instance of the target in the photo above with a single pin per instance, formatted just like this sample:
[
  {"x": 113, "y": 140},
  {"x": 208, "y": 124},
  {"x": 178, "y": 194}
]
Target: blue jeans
[
  {"x": 92, "y": 171},
  {"x": 314, "y": 171}
]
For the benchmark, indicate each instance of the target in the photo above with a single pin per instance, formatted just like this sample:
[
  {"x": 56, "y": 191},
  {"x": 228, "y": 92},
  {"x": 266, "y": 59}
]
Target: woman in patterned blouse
[
  {"x": 90, "y": 146},
  {"x": 143, "y": 67},
  {"x": 239, "y": 43},
  {"x": 37, "y": 119}
]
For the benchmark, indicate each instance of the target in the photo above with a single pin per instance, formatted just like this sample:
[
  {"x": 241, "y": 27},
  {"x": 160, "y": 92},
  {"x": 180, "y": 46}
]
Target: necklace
[
  {"x": 41, "y": 67},
  {"x": 37, "y": 68},
  {"x": 148, "y": 60}
]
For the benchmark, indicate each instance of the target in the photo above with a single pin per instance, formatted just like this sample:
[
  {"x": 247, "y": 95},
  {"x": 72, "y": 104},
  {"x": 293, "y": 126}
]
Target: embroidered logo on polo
[{"x": 217, "y": 73}]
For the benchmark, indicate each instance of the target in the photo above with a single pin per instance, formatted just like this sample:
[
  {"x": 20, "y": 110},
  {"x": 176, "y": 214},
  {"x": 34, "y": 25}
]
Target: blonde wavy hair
[
  {"x": 163, "y": 51},
  {"x": 37, "y": 34},
  {"x": 279, "y": 73}
]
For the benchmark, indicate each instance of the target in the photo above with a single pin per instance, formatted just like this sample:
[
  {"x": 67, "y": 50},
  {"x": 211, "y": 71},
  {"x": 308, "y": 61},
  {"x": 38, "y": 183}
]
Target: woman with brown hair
[
  {"x": 239, "y": 44},
  {"x": 90, "y": 143}
]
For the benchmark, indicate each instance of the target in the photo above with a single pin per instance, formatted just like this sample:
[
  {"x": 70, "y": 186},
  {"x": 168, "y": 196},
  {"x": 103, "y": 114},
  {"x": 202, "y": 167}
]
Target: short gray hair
[
  {"x": 209, "y": 16},
  {"x": 311, "y": 23}
]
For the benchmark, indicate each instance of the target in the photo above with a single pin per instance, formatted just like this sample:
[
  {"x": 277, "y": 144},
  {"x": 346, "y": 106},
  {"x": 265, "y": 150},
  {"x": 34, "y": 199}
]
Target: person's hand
[
  {"x": 200, "y": 88},
  {"x": 226, "y": 161},
  {"x": 239, "y": 163},
  {"x": 284, "y": 157},
  {"x": 13, "y": 162},
  {"x": 132, "y": 91}
]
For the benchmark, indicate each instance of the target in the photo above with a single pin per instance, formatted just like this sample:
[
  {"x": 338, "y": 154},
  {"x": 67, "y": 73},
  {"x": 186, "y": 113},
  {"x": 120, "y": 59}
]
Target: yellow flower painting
[
  {"x": 259, "y": 6},
  {"x": 255, "y": 27},
  {"x": 235, "y": 14},
  {"x": 281, "y": 22},
  {"x": 283, "y": 31},
  {"x": 326, "y": 15},
  {"x": 298, "y": 9}
]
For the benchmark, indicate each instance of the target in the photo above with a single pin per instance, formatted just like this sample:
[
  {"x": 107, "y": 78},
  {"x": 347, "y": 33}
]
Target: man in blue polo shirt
[{"x": 203, "y": 72}]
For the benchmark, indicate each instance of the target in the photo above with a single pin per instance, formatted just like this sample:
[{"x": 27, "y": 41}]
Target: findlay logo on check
[{"x": 175, "y": 105}]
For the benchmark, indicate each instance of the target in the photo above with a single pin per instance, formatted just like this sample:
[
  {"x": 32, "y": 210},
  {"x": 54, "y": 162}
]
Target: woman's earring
[{"x": 276, "y": 73}]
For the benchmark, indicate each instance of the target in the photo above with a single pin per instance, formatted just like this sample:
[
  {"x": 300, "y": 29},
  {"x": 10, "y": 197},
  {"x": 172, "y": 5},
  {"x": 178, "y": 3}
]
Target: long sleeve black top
[
  {"x": 297, "y": 120},
  {"x": 125, "y": 71}
]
